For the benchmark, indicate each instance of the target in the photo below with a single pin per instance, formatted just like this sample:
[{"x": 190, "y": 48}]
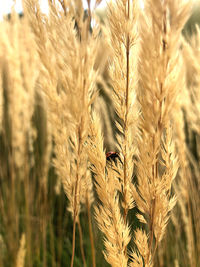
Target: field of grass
[{"x": 75, "y": 85}]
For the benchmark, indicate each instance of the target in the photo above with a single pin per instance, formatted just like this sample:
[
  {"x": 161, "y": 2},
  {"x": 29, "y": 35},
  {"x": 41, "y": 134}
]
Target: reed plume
[
  {"x": 69, "y": 94},
  {"x": 123, "y": 40},
  {"x": 107, "y": 213},
  {"x": 19, "y": 64},
  {"x": 21, "y": 253},
  {"x": 160, "y": 27}
]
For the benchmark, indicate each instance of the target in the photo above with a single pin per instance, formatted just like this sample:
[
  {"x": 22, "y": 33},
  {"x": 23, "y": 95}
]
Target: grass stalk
[
  {"x": 81, "y": 242},
  {"x": 73, "y": 241},
  {"x": 125, "y": 124},
  {"x": 76, "y": 193},
  {"x": 91, "y": 233}
]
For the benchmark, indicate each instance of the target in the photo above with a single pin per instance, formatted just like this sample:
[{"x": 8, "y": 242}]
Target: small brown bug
[{"x": 112, "y": 156}]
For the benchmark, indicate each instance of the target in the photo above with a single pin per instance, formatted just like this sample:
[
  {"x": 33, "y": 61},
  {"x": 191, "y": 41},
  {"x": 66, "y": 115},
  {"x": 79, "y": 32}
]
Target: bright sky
[{"x": 5, "y": 5}]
